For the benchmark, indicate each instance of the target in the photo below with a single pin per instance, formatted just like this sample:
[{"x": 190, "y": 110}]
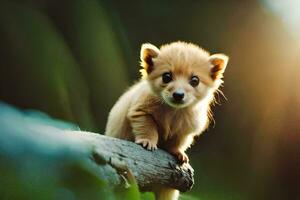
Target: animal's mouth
[
  {"x": 179, "y": 102},
  {"x": 176, "y": 104}
]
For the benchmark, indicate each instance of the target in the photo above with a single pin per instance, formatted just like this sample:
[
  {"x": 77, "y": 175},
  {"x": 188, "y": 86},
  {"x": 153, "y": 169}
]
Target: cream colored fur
[{"x": 146, "y": 113}]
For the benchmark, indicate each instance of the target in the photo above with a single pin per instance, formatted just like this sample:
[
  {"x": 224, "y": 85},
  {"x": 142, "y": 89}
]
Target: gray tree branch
[{"x": 125, "y": 162}]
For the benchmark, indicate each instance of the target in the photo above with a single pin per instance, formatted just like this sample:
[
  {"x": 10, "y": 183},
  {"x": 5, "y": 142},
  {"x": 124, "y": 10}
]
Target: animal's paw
[
  {"x": 181, "y": 156},
  {"x": 147, "y": 143}
]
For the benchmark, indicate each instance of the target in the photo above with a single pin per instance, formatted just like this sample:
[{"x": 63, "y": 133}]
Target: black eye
[
  {"x": 167, "y": 77},
  {"x": 194, "y": 81}
]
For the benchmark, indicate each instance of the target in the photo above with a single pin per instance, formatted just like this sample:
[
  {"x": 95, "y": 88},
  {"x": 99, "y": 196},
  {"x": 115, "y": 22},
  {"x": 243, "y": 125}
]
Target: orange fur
[{"x": 147, "y": 113}]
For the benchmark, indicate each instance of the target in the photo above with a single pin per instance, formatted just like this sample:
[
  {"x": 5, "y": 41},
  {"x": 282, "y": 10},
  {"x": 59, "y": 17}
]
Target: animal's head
[{"x": 182, "y": 73}]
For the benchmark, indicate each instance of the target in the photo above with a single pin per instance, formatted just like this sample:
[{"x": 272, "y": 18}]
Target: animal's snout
[{"x": 178, "y": 95}]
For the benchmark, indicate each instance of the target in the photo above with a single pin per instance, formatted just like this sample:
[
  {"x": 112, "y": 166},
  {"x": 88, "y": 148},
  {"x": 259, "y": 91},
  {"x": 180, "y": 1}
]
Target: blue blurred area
[
  {"x": 30, "y": 131},
  {"x": 39, "y": 161}
]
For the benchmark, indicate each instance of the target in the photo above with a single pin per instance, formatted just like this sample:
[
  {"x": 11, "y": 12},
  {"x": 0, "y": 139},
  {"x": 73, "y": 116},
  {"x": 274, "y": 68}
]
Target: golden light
[{"x": 287, "y": 11}]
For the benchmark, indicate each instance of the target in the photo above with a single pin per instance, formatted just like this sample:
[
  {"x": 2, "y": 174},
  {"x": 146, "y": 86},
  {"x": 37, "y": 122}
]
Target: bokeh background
[{"x": 72, "y": 59}]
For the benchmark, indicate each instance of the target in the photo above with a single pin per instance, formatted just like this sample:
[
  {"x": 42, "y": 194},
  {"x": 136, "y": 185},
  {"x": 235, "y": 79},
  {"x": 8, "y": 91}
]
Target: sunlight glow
[{"x": 287, "y": 10}]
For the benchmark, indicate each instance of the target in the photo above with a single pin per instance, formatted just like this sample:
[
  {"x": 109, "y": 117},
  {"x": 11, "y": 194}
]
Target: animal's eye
[
  {"x": 194, "y": 81},
  {"x": 167, "y": 77}
]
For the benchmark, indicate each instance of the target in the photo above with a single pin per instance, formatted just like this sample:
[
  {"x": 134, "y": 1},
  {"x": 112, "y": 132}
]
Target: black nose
[{"x": 178, "y": 96}]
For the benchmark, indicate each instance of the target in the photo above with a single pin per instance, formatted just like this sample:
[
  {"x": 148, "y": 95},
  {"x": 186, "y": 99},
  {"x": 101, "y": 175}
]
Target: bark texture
[{"x": 124, "y": 162}]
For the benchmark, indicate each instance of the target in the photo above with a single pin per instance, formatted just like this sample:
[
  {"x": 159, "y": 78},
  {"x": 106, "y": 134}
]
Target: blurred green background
[{"x": 73, "y": 59}]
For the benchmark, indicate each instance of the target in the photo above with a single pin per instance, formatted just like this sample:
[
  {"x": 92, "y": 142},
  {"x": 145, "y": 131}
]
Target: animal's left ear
[
  {"x": 148, "y": 52},
  {"x": 219, "y": 63}
]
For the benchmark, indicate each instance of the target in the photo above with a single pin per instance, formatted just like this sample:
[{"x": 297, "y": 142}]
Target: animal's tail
[{"x": 167, "y": 194}]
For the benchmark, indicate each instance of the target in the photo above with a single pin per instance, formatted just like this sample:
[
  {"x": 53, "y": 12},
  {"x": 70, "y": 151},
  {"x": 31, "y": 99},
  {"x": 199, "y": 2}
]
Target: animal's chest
[{"x": 171, "y": 124}]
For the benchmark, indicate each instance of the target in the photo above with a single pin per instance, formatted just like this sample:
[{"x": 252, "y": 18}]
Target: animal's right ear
[
  {"x": 219, "y": 63},
  {"x": 148, "y": 52}
]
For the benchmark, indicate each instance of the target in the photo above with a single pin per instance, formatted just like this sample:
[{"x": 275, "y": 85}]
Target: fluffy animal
[{"x": 170, "y": 105}]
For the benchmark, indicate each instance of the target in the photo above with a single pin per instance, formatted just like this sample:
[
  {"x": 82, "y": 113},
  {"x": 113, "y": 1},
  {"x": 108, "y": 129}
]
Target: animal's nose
[{"x": 178, "y": 96}]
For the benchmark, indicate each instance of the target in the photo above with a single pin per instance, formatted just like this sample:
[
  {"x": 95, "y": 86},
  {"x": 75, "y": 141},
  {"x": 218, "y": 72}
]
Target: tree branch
[
  {"x": 33, "y": 137},
  {"x": 126, "y": 162}
]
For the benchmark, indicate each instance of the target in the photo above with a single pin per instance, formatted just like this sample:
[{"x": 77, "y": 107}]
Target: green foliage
[
  {"x": 50, "y": 74},
  {"x": 65, "y": 74},
  {"x": 188, "y": 197}
]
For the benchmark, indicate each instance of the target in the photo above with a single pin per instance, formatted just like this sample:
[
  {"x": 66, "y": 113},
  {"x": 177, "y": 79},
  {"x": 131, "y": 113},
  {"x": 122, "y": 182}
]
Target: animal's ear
[
  {"x": 219, "y": 63},
  {"x": 148, "y": 52}
]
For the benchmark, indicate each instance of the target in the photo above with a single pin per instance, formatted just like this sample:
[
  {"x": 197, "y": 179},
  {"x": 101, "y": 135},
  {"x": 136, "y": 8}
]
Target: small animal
[{"x": 170, "y": 105}]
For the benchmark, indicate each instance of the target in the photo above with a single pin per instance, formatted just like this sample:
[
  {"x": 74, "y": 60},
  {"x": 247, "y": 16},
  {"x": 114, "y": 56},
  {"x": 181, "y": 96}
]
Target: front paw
[
  {"x": 147, "y": 143},
  {"x": 181, "y": 156}
]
